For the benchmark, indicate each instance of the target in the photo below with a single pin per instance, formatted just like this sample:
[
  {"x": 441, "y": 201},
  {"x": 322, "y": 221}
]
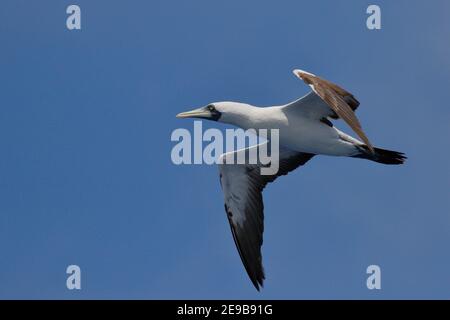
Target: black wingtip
[{"x": 258, "y": 283}]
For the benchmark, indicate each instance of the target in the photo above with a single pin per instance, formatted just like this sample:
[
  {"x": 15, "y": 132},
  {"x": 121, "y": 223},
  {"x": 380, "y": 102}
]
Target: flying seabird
[{"x": 305, "y": 130}]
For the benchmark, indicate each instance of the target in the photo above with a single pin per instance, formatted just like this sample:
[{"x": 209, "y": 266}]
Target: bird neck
[{"x": 245, "y": 116}]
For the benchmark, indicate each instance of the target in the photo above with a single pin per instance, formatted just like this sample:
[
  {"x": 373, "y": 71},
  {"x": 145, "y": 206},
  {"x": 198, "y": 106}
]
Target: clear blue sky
[{"x": 86, "y": 176}]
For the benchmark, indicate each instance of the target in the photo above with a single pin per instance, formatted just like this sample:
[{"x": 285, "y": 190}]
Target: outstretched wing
[
  {"x": 242, "y": 186},
  {"x": 341, "y": 102}
]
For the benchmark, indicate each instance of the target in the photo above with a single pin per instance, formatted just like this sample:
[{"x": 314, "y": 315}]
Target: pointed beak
[{"x": 197, "y": 113}]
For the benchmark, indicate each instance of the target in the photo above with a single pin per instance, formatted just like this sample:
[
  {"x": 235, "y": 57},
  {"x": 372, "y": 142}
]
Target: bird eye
[{"x": 210, "y": 107}]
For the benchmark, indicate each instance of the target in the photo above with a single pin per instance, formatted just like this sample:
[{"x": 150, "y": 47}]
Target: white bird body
[{"x": 298, "y": 130}]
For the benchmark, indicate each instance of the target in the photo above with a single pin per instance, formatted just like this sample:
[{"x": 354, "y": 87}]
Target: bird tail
[{"x": 381, "y": 155}]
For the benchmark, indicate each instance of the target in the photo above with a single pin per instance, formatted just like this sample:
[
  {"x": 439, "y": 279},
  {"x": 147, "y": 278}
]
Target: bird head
[
  {"x": 210, "y": 112},
  {"x": 226, "y": 112}
]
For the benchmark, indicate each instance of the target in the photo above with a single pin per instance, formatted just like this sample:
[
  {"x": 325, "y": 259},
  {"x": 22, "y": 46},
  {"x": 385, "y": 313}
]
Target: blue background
[{"x": 86, "y": 176}]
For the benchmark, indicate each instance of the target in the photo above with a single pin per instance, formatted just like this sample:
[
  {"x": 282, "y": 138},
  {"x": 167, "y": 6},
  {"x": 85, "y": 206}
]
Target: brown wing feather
[
  {"x": 347, "y": 96},
  {"x": 342, "y": 102}
]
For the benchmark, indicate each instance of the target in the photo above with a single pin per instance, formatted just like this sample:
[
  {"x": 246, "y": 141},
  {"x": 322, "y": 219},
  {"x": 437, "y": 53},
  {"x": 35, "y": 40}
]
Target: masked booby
[{"x": 305, "y": 130}]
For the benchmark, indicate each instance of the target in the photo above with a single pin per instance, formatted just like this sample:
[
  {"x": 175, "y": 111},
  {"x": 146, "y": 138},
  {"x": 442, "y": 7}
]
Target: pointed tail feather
[{"x": 381, "y": 155}]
